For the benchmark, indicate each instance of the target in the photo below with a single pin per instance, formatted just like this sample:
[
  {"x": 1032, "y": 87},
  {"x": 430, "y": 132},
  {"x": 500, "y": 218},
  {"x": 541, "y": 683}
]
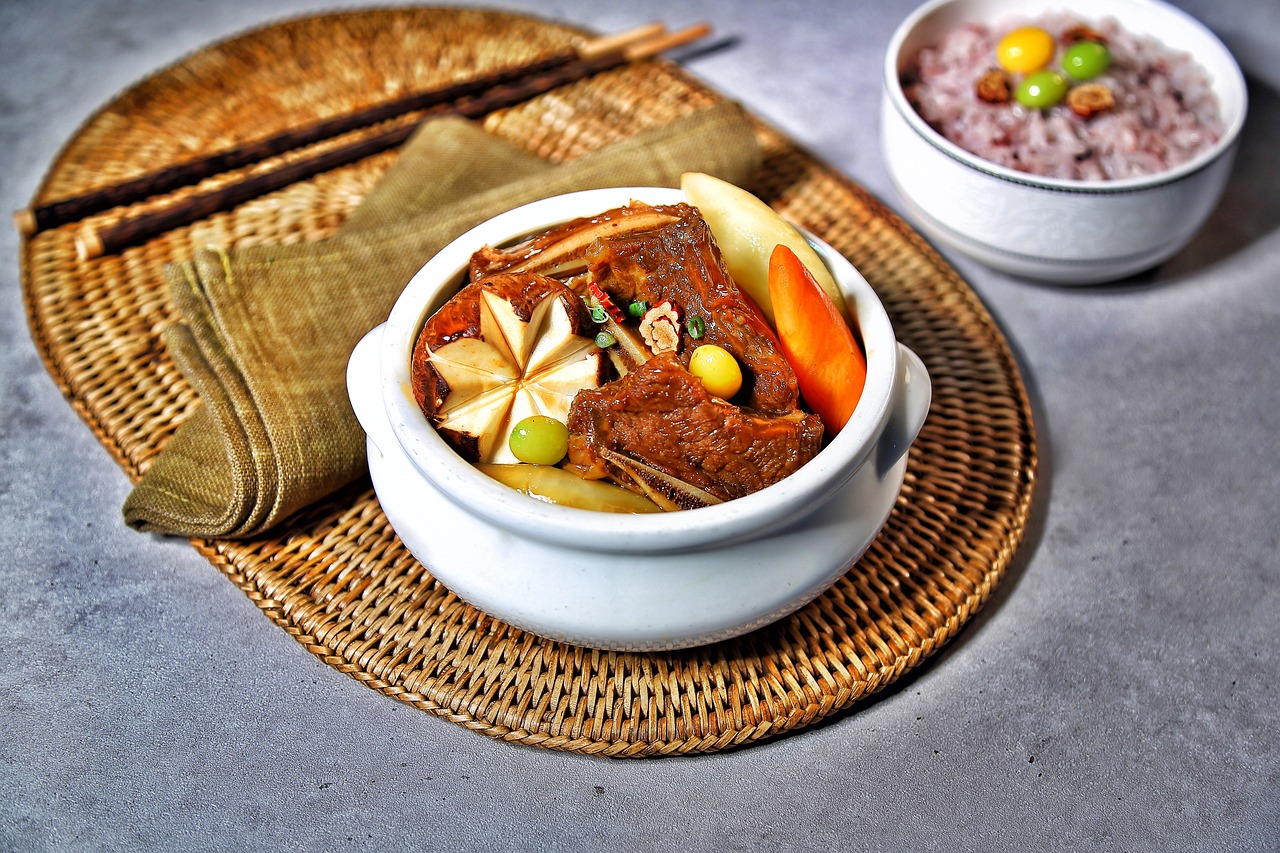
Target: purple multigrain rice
[{"x": 1166, "y": 112}]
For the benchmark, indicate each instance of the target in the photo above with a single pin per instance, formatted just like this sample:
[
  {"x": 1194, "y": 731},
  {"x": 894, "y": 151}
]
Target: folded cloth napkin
[{"x": 266, "y": 331}]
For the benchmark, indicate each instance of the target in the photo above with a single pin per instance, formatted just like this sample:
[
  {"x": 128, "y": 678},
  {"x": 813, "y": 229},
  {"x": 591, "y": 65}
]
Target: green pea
[
  {"x": 539, "y": 440},
  {"x": 1041, "y": 90},
  {"x": 1085, "y": 60}
]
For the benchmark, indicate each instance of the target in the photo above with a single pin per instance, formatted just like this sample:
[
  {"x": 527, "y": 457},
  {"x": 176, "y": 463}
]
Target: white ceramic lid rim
[{"x": 1230, "y": 134}]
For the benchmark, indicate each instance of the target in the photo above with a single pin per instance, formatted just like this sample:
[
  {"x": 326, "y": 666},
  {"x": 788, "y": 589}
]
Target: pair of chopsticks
[{"x": 473, "y": 98}]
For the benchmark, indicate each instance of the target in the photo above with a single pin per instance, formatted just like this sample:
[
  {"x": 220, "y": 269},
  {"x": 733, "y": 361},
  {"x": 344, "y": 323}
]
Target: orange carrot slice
[{"x": 830, "y": 366}]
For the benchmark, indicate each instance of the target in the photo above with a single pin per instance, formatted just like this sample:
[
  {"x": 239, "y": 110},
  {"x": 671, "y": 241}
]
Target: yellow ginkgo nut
[
  {"x": 718, "y": 370},
  {"x": 1024, "y": 50}
]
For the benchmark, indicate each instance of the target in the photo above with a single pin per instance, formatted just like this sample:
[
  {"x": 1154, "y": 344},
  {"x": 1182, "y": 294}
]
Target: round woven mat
[{"x": 338, "y": 579}]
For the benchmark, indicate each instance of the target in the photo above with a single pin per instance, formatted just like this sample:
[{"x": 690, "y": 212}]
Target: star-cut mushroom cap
[{"x": 503, "y": 349}]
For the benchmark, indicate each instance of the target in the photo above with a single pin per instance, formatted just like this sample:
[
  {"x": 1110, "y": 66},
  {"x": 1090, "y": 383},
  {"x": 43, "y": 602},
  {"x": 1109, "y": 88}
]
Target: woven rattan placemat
[{"x": 338, "y": 579}]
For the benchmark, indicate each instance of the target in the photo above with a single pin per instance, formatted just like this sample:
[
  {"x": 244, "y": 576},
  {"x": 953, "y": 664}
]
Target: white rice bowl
[{"x": 1077, "y": 229}]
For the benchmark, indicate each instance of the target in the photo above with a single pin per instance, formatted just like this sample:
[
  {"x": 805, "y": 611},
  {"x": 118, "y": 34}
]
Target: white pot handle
[
  {"x": 364, "y": 387},
  {"x": 910, "y": 407}
]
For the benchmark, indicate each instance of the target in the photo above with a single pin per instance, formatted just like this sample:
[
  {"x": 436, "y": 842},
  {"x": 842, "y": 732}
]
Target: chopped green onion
[
  {"x": 598, "y": 314},
  {"x": 695, "y": 326},
  {"x": 604, "y": 340},
  {"x": 637, "y": 308}
]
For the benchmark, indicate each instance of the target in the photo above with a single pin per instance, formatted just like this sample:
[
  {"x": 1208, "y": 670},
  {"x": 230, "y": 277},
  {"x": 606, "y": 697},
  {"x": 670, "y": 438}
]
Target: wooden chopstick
[
  {"x": 92, "y": 243},
  {"x": 72, "y": 209}
]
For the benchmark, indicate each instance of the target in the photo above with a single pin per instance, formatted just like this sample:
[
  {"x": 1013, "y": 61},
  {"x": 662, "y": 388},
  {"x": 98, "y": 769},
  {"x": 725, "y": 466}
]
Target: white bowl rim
[
  {"x": 1230, "y": 134},
  {"x": 754, "y": 514}
]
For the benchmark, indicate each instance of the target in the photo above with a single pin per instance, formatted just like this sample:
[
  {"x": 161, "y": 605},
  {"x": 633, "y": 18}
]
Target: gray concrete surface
[{"x": 1119, "y": 693}]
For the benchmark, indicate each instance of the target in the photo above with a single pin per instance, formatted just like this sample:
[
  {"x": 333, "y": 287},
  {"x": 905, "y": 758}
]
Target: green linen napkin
[{"x": 266, "y": 331}]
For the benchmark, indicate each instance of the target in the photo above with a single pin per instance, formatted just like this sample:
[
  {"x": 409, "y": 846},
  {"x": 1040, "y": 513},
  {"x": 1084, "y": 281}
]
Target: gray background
[{"x": 1119, "y": 692}]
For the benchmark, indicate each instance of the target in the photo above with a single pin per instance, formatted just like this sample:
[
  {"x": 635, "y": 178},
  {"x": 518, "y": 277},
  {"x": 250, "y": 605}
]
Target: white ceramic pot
[
  {"x": 651, "y": 581},
  {"x": 1068, "y": 232}
]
